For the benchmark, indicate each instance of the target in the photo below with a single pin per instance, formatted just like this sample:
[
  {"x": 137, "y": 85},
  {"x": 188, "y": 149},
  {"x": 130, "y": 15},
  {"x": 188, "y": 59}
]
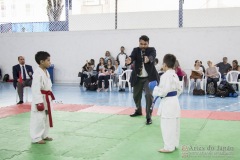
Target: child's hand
[{"x": 40, "y": 106}]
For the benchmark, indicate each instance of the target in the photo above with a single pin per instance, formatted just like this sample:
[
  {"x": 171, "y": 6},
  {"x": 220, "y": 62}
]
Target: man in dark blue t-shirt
[{"x": 224, "y": 67}]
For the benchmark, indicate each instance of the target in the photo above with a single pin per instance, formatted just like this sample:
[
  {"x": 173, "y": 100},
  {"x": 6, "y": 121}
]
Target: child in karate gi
[
  {"x": 41, "y": 117},
  {"x": 169, "y": 109}
]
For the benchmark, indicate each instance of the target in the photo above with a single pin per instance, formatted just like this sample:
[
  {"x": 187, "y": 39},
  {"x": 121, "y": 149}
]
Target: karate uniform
[
  {"x": 169, "y": 109},
  {"x": 39, "y": 121}
]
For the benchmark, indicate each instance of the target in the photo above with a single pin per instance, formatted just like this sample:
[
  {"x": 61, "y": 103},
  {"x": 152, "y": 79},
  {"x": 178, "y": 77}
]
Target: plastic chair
[
  {"x": 202, "y": 83},
  {"x": 182, "y": 82},
  {"x": 232, "y": 78},
  {"x": 25, "y": 93},
  {"x": 110, "y": 83},
  {"x": 220, "y": 77},
  {"x": 128, "y": 76}
]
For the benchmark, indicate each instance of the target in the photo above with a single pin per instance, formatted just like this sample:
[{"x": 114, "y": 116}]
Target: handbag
[{"x": 195, "y": 75}]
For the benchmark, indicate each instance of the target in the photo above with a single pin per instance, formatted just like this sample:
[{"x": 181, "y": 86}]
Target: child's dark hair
[
  {"x": 169, "y": 60},
  {"x": 41, "y": 56},
  {"x": 144, "y": 37},
  {"x": 156, "y": 60}
]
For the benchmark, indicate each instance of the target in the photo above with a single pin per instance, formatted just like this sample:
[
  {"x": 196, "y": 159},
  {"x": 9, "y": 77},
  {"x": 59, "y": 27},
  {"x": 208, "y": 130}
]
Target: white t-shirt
[
  {"x": 199, "y": 69},
  {"x": 122, "y": 58}
]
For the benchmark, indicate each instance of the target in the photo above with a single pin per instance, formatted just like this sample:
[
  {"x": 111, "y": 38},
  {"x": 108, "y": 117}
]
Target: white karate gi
[
  {"x": 169, "y": 109},
  {"x": 39, "y": 121}
]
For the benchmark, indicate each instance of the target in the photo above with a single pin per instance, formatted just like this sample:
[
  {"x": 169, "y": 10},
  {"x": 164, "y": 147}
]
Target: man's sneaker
[{"x": 121, "y": 90}]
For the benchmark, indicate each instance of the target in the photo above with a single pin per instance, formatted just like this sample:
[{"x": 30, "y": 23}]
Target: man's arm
[
  {"x": 132, "y": 57},
  {"x": 152, "y": 55},
  {"x": 15, "y": 73}
]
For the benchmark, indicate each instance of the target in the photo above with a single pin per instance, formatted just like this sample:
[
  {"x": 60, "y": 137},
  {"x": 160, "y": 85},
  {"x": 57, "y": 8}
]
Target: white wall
[
  {"x": 159, "y": 19},
  {"x": 212, "y": 17},
  {"x": 70, "y": 50}
]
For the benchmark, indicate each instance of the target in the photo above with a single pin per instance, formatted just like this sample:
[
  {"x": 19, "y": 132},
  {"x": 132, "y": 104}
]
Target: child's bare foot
[
  {"x": 48, "y": 139},
  {"x": 165, "y": 151},
  {"x": 41, "y": 142}
]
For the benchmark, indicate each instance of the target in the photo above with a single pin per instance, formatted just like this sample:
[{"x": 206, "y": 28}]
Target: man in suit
[
  {"x": 143, "y": 58},
  {"x": 22, "y": 76}
]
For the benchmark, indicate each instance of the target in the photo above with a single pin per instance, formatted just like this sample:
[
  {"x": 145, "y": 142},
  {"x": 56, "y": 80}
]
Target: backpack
[
  {"x": 224, "y": 85},
  {"x": 198, "y": 92},
  {"x": 222, "y": 93},
  {"x": 210, "y": 88},
  {"x": 225, "y": 90},
  {"x": 5, "y": 77},
  {"x": 91, "y": 83}
]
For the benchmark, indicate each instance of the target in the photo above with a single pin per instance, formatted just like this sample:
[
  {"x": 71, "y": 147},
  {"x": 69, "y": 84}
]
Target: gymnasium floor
[{"x": 97, "y": 126}]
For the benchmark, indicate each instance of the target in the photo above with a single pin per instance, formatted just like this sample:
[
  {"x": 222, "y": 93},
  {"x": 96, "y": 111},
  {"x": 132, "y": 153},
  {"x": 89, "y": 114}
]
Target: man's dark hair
[
  {"x": 144, "y": 37},
  {"x": 169, "y": 60},
  {"x": 41, "y": 56}
]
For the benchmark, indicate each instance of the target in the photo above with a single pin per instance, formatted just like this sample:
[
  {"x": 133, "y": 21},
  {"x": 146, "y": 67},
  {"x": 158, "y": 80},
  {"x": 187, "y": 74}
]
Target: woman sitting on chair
[
  {"x": 196, "y": 76},
  {"x": 117, "y": 72},
  {"x": 105, "y": 75},
  {"x": 179, "y": 71},
  {"x": 212, "y": 75},
  {"x": 236, "y": 67},
  {"x": 86, "y": 72}
]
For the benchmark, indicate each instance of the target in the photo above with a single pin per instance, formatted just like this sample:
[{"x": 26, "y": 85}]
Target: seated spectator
[
  {"x": 224, "y": 68},
  {"x": 196, "y": 76},
  {"x": 87, "y": 70},
  {"x": 22, "y": 76},
  {"x": 212, "y": 74},
  {"x": 100, "y": 67},
  {"x": 179, "y": 71},
  {"x": 157, "y": 65},
  {"x": 202, "y": 67},
  {"x": 107, "y": 57},
  {"x": 236, "y": 67},
  {"x": 92, "y": 63},
  {"x": 105, "y": 75},
  {"x": 118, "y": 71}
]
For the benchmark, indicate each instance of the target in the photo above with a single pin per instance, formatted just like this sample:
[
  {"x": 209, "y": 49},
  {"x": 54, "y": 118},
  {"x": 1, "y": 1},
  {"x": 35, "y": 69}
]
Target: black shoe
[
  {"x": 149, "y": 121},
  {"x": 135, "y": 114},
  {"x": 20, "y": 102},
  {"x": 121, "y": 90}
]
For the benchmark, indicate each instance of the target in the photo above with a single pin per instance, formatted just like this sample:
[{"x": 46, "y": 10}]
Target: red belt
[{"x": 49, "y": 93}]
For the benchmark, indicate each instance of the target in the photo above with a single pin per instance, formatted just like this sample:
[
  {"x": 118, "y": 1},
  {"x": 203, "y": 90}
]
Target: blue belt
[{"x": 171, "y": 94}]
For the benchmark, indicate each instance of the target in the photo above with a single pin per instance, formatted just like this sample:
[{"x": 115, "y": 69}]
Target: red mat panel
[
  {"x": 131, "y": 110},
  {"x": 231, "y": 116},
  {"x": 202, "y": 114},
  {"x": 14, "y": 110},
  {"x": 195, "y": 114},
  {"x": 104, "y": 109},
  {"x": 70, "y": 107}
]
